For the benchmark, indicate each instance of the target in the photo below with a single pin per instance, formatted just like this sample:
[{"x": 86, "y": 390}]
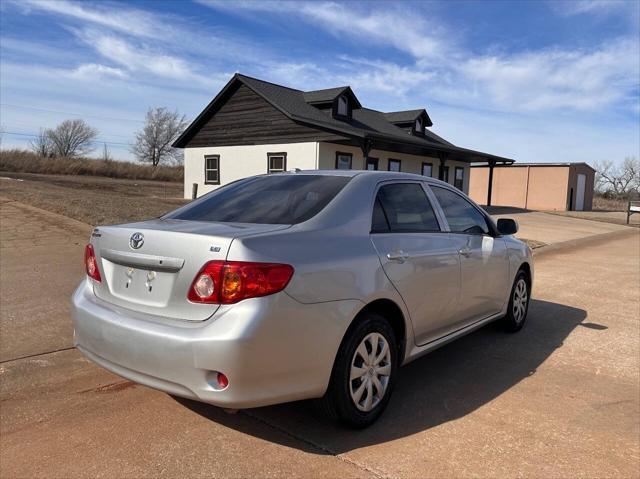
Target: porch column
[
  {"x": 492, "y": 163},
  {"x": 443, "y": 160},
  {"x": 366, "y": 146}
]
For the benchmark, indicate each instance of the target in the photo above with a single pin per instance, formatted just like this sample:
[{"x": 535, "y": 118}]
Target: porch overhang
[{"x": 368, "y": 142}]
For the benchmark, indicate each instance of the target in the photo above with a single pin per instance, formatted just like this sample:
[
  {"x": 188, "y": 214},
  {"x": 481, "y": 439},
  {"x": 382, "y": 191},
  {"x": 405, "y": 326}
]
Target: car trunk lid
[{"x": 149, "y": 266}]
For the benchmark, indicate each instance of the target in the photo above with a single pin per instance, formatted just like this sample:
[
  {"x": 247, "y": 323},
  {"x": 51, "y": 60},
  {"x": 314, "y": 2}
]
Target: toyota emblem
[{"x": 136, "y": 241}]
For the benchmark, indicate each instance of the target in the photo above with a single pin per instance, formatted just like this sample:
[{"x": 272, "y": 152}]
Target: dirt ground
[
  {"x": 559, "y": 399},
  {"x": 93, "y": 199}
]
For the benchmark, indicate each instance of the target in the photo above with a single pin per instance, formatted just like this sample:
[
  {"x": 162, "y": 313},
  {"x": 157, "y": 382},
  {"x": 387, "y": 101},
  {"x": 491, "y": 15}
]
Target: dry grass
[
  {"x": 93, "y": 200},
  {"x": 601, "y": 203},
  {"x": 22, "y": 161}
]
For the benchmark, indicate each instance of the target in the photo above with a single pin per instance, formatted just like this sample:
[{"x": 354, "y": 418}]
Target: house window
[
  {"x": 343, "y": 106},
  {"x": 212, "y": 169},
  {"x": 418, "y": 125},
  {"x": 394, "y": 165},
  {"x": 427, "y": 169},
  {"x": 276, "y": 162},
  {"x": 372, "y": 164},
  {"x": 458, "y": 178},
  {"x": 343, "y": 161}
]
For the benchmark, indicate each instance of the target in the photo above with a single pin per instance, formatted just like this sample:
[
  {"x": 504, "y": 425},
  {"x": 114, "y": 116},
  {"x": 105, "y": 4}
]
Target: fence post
[{"x": 194, "y": 191}]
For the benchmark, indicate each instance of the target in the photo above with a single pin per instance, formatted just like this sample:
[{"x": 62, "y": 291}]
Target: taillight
[
  {"x": 227, "y": 282},
  {"x": 91, "y": 264}
]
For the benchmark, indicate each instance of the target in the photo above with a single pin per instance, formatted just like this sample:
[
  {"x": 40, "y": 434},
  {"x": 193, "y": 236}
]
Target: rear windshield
[{"x": 274, "y": 199}]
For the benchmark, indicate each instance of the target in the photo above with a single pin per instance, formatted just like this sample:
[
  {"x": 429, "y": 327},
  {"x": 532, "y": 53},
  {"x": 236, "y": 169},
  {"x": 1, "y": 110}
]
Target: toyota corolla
[{"x": 298, "y": 285}]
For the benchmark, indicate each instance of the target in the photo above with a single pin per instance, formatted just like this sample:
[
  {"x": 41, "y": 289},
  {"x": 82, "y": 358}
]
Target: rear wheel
[
  {"x": 363, "y": 374},
  {"x": 518, "y": 303}
]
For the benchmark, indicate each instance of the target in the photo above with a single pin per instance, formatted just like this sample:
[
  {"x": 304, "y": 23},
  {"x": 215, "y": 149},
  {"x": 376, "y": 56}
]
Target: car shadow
[{"x": 447, "y": 384}]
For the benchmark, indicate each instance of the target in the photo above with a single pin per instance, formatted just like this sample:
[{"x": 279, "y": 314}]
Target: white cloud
[
  {"x": 130, "y": 21},
  {"x": 553, "y": 79},
  {"x": 393, "y": 25},
  {"x": 392, "y": 79},
  {"x": 142, "y": 59},
  {"x": 95, "y": 71},
  {"x": 599, "y": 7}
]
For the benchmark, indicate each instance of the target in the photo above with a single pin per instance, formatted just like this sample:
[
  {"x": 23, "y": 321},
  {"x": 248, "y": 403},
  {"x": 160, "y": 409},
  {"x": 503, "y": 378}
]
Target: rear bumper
[{"x": 272, "y": 349}]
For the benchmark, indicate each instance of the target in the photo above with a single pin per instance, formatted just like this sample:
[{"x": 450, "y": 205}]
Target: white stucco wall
[
  {"x": 409, "y": 163},
  {"x": 238, "y": 162}
]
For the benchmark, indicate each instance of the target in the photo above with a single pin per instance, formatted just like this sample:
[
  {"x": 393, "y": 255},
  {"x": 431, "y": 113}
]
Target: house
[
  {"x": 256, "y": 127},
  {"x": 535, "y": 186}
]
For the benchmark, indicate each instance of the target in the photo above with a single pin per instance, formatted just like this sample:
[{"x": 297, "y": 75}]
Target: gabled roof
[
  {"x": 407, "y": 116},
  {"x": 364, "y": 124},
  {"x": 315, "y": 97}
]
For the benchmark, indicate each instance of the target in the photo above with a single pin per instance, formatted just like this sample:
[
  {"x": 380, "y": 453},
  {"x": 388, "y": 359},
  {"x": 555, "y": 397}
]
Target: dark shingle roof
[
  {"x": 406, "y": 116},
  {"x": 323, "y": 96},
  {"x": 365, "y": 123}
]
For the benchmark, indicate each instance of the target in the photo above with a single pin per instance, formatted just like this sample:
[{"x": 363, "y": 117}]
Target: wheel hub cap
[
  {"x": 520, "y": 299},
  {"x": 370, "y": 371}
]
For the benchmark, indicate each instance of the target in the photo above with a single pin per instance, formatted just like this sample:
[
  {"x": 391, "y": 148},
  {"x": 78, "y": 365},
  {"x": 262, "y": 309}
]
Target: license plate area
[{"x": 139, "y": 285}]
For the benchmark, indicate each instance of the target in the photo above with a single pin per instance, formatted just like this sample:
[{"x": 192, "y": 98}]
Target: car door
[
  {"x": 417, "y": 256},
  {"x": 484, "y": 260}
]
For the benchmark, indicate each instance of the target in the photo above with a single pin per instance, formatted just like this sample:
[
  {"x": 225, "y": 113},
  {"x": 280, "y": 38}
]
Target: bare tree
[
  {"x": 106, "y": 154},
  {"x": 153, "y": 142},
  {"x": 41, "y": 145},
  {"x": 618, "y": 179},
  {"x": 72, "y": 138}
]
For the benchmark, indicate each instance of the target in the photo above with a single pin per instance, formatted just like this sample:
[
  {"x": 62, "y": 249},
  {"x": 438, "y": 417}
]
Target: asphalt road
[{"x": 559, "y": 399}]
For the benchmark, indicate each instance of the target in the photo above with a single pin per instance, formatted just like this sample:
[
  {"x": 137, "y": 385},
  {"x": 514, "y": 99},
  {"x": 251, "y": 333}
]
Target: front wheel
[
  {"x": 518, "y": 303},
  {"x": 363, "y": 374}
]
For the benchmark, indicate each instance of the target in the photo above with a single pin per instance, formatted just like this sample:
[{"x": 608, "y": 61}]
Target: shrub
[{"x": 23, "y": 161}]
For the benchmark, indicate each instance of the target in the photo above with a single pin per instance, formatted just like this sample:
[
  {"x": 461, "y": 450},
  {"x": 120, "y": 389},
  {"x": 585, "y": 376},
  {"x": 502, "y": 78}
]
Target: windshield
[{"x": 272, "y": 199}]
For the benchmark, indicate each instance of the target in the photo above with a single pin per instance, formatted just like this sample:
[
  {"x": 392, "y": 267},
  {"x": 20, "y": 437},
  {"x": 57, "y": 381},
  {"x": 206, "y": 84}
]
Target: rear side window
[
  {"x": 403, "y": 208},
  {"x": 461, "y": 215},
  {"x": 273, "y": 199}
]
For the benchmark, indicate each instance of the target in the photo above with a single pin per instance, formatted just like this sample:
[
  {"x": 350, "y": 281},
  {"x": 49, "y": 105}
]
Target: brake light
[
  {"x": 227, "y": 282},
  {"x": 91, "y": 263}
]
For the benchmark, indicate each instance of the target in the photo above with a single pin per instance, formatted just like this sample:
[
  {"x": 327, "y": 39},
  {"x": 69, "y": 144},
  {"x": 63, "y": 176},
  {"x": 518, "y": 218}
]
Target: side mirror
[{"x": 507, "y": 226}]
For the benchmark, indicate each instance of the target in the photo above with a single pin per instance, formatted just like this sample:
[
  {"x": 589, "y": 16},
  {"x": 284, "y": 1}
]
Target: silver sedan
[{"x": 298, "y": 285}]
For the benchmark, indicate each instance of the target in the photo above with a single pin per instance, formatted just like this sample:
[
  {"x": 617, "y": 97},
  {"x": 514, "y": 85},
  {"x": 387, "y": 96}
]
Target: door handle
[
  {"x": 466, "y": 252},
  {"x": 399, "y": 256}
]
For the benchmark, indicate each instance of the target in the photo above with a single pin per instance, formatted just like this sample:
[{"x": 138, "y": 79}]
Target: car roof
[{"x": 381, "y": 175}]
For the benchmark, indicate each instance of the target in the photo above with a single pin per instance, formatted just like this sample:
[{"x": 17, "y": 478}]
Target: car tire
[
  {"x": 518, "y": 307},
  {"x": 357, "y": 402}
]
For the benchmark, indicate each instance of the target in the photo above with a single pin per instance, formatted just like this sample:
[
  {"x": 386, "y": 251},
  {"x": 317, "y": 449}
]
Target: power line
[
  {"x": 25, "y": 107},
  {"x": 16, "y": 125},
  {"x": 97, "y": 141}
]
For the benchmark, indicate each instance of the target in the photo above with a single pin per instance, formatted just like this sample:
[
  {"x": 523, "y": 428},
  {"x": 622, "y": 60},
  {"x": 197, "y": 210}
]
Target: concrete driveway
[
  {"x": 559, "y": 399},
  {"x": 552, "y": 228}
]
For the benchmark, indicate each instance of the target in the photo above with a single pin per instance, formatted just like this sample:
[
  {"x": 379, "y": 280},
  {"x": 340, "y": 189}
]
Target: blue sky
[{"x": 534, "y": 80}]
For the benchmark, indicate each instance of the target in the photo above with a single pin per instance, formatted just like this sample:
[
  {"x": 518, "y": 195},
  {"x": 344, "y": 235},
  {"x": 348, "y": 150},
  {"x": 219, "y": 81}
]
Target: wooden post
[
  {"x": 443, "y": 160},
  {"x": 366, "y": 146},
  {"x": 194, "y": 191},
  {"x": 492, "y": 163}
]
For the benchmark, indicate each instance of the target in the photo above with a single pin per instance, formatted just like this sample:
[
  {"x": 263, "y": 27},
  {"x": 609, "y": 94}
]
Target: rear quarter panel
[{"x": 327, "y": 266}]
